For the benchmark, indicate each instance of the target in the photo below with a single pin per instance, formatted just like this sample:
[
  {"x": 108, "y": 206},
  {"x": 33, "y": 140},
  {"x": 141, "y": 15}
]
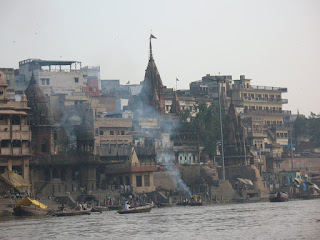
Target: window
[
  {"x": 97, "y": 131},
  {"x": 111, "y": 133},
  {"x": 25, "y": 143},
  {"x": 16, "y": 143},
  {"x": 146, "y": 180},
  {"x": 101, "y": 132},
  {"x": 3, "y": 119},
  {"x": 44, "y": 144},
  {"x": 5, "y": 143},
  {"x": 45, "y": 81},
  {"x": 122, "y": 132},
  {"x": 16, "y": 120},
  {"x": 76, "y": 80},
  {"x": 139, "y": 181}
]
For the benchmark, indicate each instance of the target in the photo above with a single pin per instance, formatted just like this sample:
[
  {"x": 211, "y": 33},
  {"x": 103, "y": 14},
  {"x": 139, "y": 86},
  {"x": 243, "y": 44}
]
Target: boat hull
[
  {"x": 28, "y": 211},
  {"x": 279, "y": 199},
  {"x": 136, "y": 210},
  {"x": 70, "y": 213}
]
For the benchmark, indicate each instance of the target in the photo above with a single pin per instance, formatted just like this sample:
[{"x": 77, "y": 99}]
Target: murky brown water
[{"x": 289, "y": 220}]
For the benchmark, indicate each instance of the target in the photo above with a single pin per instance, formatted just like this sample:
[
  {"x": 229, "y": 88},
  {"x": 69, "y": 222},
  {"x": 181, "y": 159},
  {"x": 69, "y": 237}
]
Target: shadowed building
[{"x": 15, "y": 134}]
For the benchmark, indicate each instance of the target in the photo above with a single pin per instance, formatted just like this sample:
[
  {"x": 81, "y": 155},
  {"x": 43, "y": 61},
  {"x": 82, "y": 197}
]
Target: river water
[{"x": 263, "y": 220}]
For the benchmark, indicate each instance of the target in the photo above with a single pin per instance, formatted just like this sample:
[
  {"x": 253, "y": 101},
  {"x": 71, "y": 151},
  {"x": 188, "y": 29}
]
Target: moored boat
[
  {"x": 279, "y": 197},
  {"x": 29, "y": 207},
  {"x": 141, "y": 209},
  {"x": 65, "y": 213}
]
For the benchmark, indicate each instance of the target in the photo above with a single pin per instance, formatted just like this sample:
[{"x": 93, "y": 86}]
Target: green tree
[
  {"x": 206, "y": 123},
  {"x": 314, "y": 127},
  {"x": 308, "y": 126}
]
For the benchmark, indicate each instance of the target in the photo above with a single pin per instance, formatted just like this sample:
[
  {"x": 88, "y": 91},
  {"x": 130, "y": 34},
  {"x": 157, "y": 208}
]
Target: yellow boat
[{"x": 29, "y": 207}]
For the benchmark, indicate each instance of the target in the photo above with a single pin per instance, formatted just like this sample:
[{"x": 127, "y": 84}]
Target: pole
[
  {"x": 244, "y": 145},
  {"x": 221, "y": 132},
  {"x": 291, "y": 147}
]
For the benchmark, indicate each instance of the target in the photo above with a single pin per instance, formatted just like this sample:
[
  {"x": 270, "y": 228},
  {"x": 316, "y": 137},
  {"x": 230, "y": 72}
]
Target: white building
[{"x": 53, "y": 77}]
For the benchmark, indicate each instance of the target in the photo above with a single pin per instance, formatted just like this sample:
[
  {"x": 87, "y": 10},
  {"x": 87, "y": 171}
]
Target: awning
[
  {"x": 14, "y": 180},
  {"x": 315, "y": 186},
  {"x": 245, "y": 181},
  {"x": 249, "y": 181},
  {"x": 298, "y": 180},
  {"x": 28, "y": 201}
]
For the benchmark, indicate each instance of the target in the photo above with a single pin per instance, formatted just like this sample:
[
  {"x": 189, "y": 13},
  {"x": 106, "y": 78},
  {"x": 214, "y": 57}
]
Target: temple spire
[{"x": 151, "y": 36}]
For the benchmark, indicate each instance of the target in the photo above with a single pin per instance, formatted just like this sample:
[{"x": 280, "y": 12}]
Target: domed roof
[{"x": 37, "y": 101}]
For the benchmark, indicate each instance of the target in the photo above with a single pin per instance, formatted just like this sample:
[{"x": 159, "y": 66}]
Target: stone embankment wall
[
  {"x": 247, "y": 172},
  {"x": 309, "y": 164}
]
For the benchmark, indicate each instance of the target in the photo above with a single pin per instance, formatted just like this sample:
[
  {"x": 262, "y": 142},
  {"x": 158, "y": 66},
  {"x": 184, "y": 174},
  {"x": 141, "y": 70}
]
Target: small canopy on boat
[
  {"x": 245, "y": 181},
  {"x": 312, "y": 185},
  {"x": 14, "y": 180},
  {"x": 298, "y": 180},
  {"x": 28, "y": 201}
]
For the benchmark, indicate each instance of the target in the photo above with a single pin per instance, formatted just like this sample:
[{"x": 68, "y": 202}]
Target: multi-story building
[
  {"x": 264, "y": 106},
  {"x": 53, "y": 77},
  {"x": 112, "y": 132},
  {"x": 15, "y": 133},
  {"x": 8, "y": 74},
  {"x": 92, "y": 78}
]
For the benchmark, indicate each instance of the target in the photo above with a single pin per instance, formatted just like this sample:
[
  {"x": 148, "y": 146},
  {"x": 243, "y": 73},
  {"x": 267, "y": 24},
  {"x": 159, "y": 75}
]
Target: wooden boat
[
  {"x": 311, "y": 196},
  {"x": 66, "y": 213},
  {"x": 29, "y": 207},
  {"x": 99, "y": 209},
  {"x": 183, "y": 204},
  {"x": 196, "y": 204},
  {"x": 28, "y": 211},
  {"x": 114, "y": 207},
  {"x": 279, "y": 197},
  {"x": 141, "y": 209}
]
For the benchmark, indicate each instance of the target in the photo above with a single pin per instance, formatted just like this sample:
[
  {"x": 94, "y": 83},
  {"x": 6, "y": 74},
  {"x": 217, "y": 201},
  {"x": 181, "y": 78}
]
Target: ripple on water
[{"x": 290, "y": 220}]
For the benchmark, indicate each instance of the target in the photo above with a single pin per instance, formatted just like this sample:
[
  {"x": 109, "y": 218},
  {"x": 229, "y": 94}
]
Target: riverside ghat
[{"x": 201, "y": 186}]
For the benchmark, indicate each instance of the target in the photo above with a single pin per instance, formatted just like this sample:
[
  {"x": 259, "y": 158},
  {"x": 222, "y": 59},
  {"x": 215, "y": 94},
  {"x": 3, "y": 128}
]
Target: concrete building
[
  {"x": 92, "y": 78},
  {"x": 8, "y": 74},
  {"x": 15, "y": 133},
  {"x": 53, "y": 77},
  {"x": 137, "y": 174}
]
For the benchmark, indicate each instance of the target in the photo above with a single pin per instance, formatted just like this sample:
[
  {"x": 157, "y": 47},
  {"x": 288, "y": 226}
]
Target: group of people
[{"x": 83, "y": 206}]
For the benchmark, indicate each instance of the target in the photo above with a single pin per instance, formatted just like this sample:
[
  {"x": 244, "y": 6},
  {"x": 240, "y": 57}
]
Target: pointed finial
[{"x": 151, "y": 36}]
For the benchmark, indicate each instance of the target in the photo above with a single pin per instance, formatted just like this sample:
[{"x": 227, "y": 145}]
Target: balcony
[
  {"x": 128, "y": 168},
  {"x": 254, "y": 87},
  {"x": 113, "y": 123},
  {"x": 266, "y": 100},
  {"x": 267, "y": 112}
]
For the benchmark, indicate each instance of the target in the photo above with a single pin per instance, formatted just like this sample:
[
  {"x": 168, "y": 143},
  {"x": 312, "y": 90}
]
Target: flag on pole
[
  {"x": 177, "y": 79},
  {"x": 151, "y": 36}
]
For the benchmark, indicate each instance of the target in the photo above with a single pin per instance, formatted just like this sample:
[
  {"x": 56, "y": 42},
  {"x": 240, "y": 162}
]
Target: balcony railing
[
  {"x": 273, "y": 112},
  {"x": 254, "y": 87},
  {"x": 257, "y": 99}
]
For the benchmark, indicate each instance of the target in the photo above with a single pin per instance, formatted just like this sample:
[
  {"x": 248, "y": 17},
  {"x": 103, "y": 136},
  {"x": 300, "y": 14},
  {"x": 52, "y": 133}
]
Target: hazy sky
[{"x": 275, "y": 43}]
